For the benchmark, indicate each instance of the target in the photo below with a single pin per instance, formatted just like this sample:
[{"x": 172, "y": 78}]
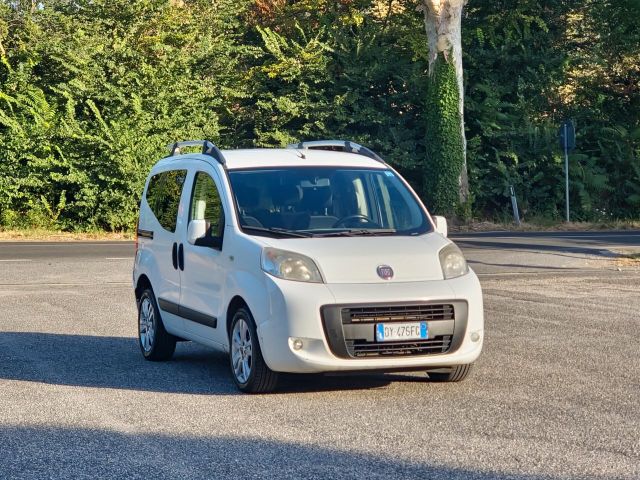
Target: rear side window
[{"x": 163, "y": 196}]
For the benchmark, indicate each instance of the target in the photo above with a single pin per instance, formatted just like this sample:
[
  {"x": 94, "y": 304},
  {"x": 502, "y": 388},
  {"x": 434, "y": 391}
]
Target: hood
[{"x": 356, "y": 259}]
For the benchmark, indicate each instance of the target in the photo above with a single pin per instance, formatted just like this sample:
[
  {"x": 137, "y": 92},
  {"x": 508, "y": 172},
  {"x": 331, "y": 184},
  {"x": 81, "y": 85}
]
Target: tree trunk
[{"x": 446, "y": 143}]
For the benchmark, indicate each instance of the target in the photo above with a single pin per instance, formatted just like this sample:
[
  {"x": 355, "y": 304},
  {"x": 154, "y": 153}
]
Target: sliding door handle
[
  {"x": 181, "y": 257},
  {"x": 174, "y": 255}
]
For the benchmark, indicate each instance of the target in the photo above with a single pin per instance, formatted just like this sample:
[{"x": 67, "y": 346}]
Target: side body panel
[
  {"x": 155, "y": 255},
  {"x": 205, "y": 270}
]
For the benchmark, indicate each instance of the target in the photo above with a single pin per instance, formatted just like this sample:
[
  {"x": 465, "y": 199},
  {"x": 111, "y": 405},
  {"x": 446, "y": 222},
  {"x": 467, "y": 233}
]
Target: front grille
[
  {"x": 402, "y": 313},
  {"x": 350, "y": 329},
  {"x": 363, "y": 348}
]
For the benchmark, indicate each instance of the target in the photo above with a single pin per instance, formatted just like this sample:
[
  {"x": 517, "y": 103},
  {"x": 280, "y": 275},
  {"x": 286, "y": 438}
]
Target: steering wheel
[{"x": 361, "y": 218}]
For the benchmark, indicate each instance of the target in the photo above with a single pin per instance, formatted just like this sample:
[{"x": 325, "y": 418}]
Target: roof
[
  {"x": 280, "y": 157},
  {"x": 288, "y": 157}
]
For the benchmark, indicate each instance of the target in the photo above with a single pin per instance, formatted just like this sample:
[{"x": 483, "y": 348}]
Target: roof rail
[
  {"x": 344, "y": 145},
  {"x": 208, "y": 148}
]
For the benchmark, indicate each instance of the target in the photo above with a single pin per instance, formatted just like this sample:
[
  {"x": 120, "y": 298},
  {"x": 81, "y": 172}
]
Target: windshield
[{"x": 326, "y": 201}]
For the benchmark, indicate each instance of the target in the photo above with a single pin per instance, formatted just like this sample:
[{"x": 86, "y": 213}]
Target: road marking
[
  {"x": 631, "y": 235},
  {"x": 561, "y": 271},
  {"x": 541, "y": 237},
  {"x": 70, "y": 244},
  {"x": 116, "y": 284},
  {"x": 16, "y": 260}
]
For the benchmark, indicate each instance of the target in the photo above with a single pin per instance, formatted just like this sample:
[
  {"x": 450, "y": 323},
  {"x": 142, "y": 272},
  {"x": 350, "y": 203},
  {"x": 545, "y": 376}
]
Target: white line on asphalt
[
  {"x": 630, "y": 235},
  {"x": 560, "y": 271},
  {"x": 16, "y": 260},
  {"x": 71, "y": 244},
  {"x": 545, "y": 237},
  {"x": 116, "y": 284}
]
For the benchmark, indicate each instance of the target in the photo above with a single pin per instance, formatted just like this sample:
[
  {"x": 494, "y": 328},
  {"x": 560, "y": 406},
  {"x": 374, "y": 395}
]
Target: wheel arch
[
  {"x": 235, "y": 303},
  {"x": 142, "y": 284}
]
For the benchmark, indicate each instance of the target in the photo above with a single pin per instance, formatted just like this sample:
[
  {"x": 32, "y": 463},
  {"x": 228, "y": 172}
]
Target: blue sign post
[{"x": 567, "y": 142}]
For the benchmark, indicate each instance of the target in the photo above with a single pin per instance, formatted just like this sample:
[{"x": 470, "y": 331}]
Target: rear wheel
[
  {"x": 155, "y": 342},
  {"x": 457, "y": 374},
  {"x": 248, "y": 368}
]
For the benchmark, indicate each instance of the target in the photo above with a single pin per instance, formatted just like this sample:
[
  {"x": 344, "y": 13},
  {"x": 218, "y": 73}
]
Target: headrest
[
  {"x": 316, "y": 198},
  {"x": 286, "y": 195}
]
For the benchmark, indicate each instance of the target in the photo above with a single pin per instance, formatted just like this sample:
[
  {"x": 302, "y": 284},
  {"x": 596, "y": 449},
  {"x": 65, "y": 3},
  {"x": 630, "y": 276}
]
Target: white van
[{"x": 314, "y": 258}]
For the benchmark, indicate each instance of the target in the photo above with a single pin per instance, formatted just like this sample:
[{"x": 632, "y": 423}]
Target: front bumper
[{"x": 295, "y": 312}]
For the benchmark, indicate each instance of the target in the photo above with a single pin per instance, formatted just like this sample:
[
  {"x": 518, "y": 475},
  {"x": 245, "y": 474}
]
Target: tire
[
  {"x": 457, "y": 374},
  {"x": 155, "y": 342},
  {"x": 248, "y": 368}
]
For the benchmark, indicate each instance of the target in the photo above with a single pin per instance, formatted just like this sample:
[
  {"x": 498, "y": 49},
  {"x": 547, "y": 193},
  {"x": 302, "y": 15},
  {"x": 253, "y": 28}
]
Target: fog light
[
  {"x": 297, "y": 344},
  {"x": 475, "y": 336}
]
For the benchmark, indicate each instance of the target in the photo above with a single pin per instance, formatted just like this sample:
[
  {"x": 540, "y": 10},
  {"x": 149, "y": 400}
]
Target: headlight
[
  {"x": 453, "y": 262},
  {"x": 290, "y": 266}
]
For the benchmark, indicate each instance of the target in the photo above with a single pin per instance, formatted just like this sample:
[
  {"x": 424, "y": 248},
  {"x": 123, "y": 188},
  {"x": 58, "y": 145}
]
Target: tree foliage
[
  {"x": 92, "y": 91},
  {"x": 530, "y": 65}
]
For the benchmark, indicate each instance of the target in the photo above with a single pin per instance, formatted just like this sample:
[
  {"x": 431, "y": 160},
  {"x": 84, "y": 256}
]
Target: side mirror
[
  {"x": 197, "y": 235},
  {"x": 441, "y": 225},
  {"x": 197, "y": 230}
]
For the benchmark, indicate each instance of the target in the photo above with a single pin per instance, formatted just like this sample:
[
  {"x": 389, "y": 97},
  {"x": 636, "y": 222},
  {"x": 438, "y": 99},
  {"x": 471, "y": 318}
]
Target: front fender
[{"x": 252, "y": 289}]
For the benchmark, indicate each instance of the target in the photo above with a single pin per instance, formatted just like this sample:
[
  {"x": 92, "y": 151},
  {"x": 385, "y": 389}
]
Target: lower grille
[
  {"x": 350, "y": 329},
  {"x": 363, "y": 348}
]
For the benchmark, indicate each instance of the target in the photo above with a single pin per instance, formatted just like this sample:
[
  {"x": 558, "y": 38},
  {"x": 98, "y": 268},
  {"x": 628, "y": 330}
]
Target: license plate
[{"x": 389, "y": 332}]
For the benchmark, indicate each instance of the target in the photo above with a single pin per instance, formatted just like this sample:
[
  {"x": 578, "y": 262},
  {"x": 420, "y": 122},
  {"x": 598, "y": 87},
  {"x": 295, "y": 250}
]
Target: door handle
[
  {"x": 174, "y": 255},
  {"x": 181, "y": 257}
]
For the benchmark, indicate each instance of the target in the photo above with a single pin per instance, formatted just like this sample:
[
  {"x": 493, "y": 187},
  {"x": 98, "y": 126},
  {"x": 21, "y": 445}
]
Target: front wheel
[
  {"x": 457, "y": 374},
  {"x": 249, "y": 370},
  {"x": 155, "y": 342}
]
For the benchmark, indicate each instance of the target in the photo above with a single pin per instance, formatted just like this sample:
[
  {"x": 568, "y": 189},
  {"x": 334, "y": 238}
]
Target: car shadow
[
  {"x": 524, "y": 267},
  {"x": 116, "y": 362},
  {"x": 585, "y": 247},
  {"x": 34, "y": 452}
]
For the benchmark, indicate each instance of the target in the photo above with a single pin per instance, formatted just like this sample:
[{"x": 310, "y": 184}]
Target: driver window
[{"x": 206, "y": 205}]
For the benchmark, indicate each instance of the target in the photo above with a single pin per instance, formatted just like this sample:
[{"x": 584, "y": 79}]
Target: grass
[
  {"x": 543, "y": 225},
  {"x": 43, "y": 235},
  {"x": 628, "y": 259},
  {"x": 535, "y": 225}
]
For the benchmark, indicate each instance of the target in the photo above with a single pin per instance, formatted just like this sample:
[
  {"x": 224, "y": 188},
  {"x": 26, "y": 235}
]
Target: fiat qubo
[{"x": 318, "y": 257}]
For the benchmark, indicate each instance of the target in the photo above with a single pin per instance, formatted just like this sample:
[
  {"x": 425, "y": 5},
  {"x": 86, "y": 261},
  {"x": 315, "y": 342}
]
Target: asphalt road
[
  {"x": 555, "y": 395},
  {"x": 508, "y": 252},
  {"x": 527, "y": 251}
]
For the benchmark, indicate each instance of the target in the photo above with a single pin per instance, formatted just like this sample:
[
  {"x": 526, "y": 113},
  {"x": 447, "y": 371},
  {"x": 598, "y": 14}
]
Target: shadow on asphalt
[
  {"x": 516, "y": 265},
  {"x": 48, "y": 452},
  {"x": 116, "y": 362},
  {"x": 586, "y": 247}
]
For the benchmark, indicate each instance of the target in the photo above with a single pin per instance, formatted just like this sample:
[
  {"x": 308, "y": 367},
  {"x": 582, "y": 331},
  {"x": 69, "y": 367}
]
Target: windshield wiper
[
  {"x": 357, "y": 232},
  {"x": 278, "y": 231}
]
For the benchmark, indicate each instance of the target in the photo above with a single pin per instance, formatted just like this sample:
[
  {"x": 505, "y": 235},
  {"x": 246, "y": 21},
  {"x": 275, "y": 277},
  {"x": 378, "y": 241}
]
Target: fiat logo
[{"x": 385, "y": 272}]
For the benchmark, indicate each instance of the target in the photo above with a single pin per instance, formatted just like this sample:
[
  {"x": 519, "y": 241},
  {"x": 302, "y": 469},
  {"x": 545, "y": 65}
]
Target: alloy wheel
[
  {"x": 147, "y": 325},
  {"x": 241, "y": 350}
]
